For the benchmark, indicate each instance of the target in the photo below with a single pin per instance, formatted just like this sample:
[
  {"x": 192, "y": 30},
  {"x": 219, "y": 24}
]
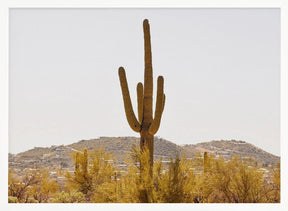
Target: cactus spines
[{"x": 146, "y": 125}]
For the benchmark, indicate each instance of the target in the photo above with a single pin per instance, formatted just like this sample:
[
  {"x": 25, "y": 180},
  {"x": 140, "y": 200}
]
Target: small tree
[
  {"x": 19, "y": 187},
  {"x": 45, "y": 188}
]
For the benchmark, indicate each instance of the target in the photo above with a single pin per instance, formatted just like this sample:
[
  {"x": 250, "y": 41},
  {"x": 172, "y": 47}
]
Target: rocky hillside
[
  {"x": 228, "y": 149},
  {"x": 120, "y": 147}
]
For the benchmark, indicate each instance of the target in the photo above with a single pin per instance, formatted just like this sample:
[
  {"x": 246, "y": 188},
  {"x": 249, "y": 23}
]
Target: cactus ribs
[{"x": 146, "y": 125}]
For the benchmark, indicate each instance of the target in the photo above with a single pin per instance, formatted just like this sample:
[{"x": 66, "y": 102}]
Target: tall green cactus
[{"x": 146, "y": 125}]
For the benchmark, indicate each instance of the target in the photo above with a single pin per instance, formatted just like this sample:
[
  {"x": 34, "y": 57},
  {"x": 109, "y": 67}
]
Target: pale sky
[{"x": 221, "y": 71}]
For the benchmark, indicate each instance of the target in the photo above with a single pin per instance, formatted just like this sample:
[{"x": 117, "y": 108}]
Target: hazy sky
[{"x": 221, "y": 71}]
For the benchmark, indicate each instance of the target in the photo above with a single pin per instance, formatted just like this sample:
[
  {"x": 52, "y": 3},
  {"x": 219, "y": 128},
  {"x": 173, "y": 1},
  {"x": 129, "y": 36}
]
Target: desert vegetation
[
  {"x": 146, "y": 125},
  {"x": 95, "y": 179}
]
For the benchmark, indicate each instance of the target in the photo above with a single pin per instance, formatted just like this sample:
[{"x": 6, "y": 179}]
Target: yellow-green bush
[{"x": 180, "y": 180}]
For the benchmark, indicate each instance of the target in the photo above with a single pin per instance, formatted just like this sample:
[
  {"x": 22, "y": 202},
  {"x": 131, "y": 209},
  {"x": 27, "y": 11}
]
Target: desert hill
[{"x": 120, "y": 147}]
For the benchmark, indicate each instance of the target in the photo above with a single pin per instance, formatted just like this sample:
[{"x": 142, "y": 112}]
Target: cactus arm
[
  {"x": 148, "y": 76},
  {"x": 131, "y": 118},
  {"x": 159, "y": 107},
  {"x": 140, "y": 101},
  {"x": 164, "y": 99}
]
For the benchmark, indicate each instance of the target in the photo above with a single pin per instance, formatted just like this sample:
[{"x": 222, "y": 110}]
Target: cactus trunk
[
  {"x": 145, "y": 125},
  {"x": 147, "y": 140}
]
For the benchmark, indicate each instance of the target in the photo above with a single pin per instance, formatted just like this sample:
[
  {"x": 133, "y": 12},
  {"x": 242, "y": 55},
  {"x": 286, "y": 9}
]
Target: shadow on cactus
[{"x": 146, "y": 125}]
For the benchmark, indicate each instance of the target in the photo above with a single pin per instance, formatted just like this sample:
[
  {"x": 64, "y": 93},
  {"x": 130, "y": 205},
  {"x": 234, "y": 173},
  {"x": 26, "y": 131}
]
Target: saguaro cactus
[{"x": 146, "y": 125}]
